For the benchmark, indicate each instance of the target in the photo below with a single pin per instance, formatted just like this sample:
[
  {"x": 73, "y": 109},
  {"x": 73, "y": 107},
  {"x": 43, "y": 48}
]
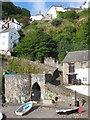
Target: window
[
  {"x": 3, "y": 37},
  {"x": 3, "y": 43},
  {"x": 83, "y": 64},
  {"x": 84, "y": 78},
  {"x": 11, "y": 37},
  {"x": 71, "y": 68}
]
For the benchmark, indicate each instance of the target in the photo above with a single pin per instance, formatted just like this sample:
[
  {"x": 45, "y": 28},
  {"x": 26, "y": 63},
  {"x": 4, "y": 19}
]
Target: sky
[{"x": 44, "y": 6}]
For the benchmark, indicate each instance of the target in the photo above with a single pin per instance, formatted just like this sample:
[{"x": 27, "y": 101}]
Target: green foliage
[
  {"x": 80, "y": 40},
  {"x": 21, "y": 33},
  {"x": 36, "y": 46},
  {"x": 42, "y": 39},
  {"x": 34, "y": 22},
  {"x": 25, "y": 21},
  {"x": 9, "y": 9},
  {"x": 84, "y": 13},
  {"x": 70, "y": 15},
  {"x": 56, "y": 22},
  {"x": 22, "y": 67}
]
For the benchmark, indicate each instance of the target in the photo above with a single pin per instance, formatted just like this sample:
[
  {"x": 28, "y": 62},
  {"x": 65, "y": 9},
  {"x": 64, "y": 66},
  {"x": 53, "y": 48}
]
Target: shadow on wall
[
  {"x": 4, "y": 117},
  {"x": 51, "y": 79}
]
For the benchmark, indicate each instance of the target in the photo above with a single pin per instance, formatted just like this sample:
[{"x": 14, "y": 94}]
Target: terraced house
[{"x": 9, "y": 35}]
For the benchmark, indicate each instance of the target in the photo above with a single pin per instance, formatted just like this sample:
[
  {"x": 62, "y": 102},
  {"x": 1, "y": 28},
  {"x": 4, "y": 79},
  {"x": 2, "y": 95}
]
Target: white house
[
  {"x": 38, "y": 16},
  {"x": 86, "y": 4},
  {"x": 53, "y": 11},
  {"x": 12, "y": 24},
  {"x": 76, "y": 65},
  {"x": 8, "y": 38}
]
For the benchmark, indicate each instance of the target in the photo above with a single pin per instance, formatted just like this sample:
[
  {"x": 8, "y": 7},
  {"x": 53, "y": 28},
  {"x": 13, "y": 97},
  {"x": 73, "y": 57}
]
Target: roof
[
  {"x": 6, "y": 30},
  {"x": 77, "y": 56},
  {"x": 72, "y": 8},
  {"x": 54, "y": 6}
]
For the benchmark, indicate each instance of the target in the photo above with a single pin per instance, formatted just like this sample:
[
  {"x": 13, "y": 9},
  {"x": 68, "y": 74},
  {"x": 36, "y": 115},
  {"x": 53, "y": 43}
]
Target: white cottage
[
  {"x": 86, "y": 4},
  {"x": 53, "y": 11},
  {"x": 38, "y": 16},
  {"x": 12, "y": 24},
  {"x": 8, "y": 38}
]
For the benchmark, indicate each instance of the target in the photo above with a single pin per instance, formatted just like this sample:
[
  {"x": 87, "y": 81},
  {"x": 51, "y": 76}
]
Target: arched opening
[{"x": 36, "y": 92}]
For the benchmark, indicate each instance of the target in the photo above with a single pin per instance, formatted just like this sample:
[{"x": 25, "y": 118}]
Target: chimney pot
[
  {"x": 60, "y": 5},
  {"x": 7, "y": 25},
  {"x": 39, "y": 12},
  {"x": 12, "y": 20},
  {"x": 8, "y": 18}
]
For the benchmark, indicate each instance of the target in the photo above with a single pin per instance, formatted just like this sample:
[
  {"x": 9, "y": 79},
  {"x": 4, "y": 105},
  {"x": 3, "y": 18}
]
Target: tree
[
  {"x": 36, "y": 46},
  {"x": 25, "y": 21}
]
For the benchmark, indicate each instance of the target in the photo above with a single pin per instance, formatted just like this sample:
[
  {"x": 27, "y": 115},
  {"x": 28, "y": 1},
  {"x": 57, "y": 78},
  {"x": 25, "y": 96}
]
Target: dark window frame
[{"x": 71, "y": 67}]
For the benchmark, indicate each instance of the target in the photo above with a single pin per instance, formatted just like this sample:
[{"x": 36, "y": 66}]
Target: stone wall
[
  {"x": 16, "y": 86},
  {"x": 52, "y": 62},
  {"x": 65, "y": 71}
]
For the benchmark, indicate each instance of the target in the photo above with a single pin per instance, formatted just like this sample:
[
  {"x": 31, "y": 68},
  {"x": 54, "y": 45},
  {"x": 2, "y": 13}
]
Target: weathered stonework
[
  {"x": 77, "y": 66},
  {"x": 65, "y": 72},
  {"x": 40, "y": 79},
  {"x": 18, "y": 85},
  {"x": 15, "y": 86}
]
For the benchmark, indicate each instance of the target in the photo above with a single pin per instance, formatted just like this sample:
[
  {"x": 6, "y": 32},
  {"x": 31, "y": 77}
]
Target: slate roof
[
  {"x": 6, "y": 30},
  {"x": 77, "y": 56},
  {"x": 72, "y": 8}
]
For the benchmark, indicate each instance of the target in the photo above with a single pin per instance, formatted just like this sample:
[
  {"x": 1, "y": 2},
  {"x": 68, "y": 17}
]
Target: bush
[
  {"x": 70, "y": 15},
  {"x": 56, "y": 22},
  {"x": 34, "y": 22}
]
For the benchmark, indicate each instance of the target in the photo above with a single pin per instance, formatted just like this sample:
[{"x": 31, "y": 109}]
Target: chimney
[
  {"x": 60, "y": 5},
  {"x": 8, "y": 18},
  {"x": 80, "y": 7},
  {"x": 7, "y": 25},
  {"x": 12, "y": 20},
  {"x": 39, "y": 12}
]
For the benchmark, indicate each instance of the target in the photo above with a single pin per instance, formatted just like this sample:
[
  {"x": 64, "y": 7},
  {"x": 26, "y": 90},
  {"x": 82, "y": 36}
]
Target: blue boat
[{"x": 23, "y": 109}]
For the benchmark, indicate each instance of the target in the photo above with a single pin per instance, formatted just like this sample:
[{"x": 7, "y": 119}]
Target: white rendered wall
[
  {"x": 38, "y": 17},
  {"x": 4, "y": 41},
  {"x": 83, "y": 74},
  {"x": 60, "y": 9},
  {"x": 52, "y": 12},
  {"x": 8, "y": 39},
  {"x": 87, "y": 5}
]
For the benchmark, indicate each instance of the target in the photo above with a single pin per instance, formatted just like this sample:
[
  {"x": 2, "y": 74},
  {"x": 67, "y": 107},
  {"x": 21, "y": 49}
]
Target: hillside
[
  {"x": 54, "y": 38},
  {"x": 9, "y": 9}
]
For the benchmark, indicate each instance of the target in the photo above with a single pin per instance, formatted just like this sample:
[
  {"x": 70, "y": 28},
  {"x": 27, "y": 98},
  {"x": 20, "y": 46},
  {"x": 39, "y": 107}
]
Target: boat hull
[
  {"x": 67, "y": 111},
  {"x": 23, "y": 109}
]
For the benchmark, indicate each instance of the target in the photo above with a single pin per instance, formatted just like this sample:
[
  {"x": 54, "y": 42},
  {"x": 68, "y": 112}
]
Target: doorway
[
  {"x": 70, "y": 78},
  {"x": 36, "y": 92}
]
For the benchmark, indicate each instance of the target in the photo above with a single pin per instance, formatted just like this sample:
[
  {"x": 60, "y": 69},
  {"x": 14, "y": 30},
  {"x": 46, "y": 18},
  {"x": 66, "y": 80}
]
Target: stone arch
[
  {"x": 36, "y": 92},
  {"x": 40, "y": 80}
]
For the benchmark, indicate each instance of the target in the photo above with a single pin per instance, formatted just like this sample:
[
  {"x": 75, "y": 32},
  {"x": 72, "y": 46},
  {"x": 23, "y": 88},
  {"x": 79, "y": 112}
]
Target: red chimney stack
[
  {"x": 60, "y": 5},
  {"x": 12, "y": 20},
  {"x": 7, "y": 25},
  {"x": 8, "y": 18}
]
